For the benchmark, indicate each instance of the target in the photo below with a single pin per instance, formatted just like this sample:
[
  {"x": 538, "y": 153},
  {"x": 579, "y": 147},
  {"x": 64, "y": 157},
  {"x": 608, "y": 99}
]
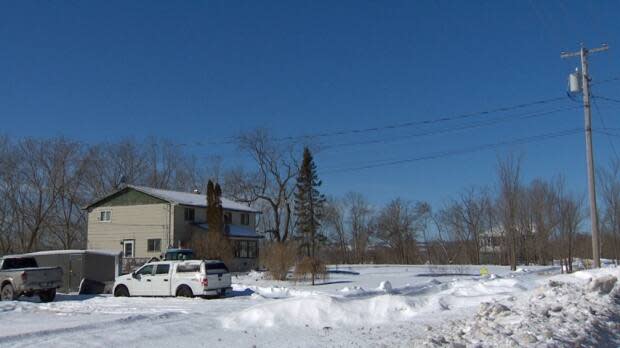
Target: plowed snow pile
[{"x": 579, "y": 310}]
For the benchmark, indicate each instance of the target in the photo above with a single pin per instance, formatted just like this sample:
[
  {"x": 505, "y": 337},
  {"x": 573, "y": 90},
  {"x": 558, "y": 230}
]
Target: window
[
  {"x": 153, "y": 245},
  {"x": 188, "y": 268},
  {"x": 216, "y": 268},
  {"x": 128, "y": 248},
  {"x": 19, "y": 262},
  {"x": 146, "y": 270},
  {"x": 252, "y": 249},
  {"x": 246, "y": 249},
  {"x": 228, "y": 218},
  {"x": 245, "y": 219},
  {"x": 105, "y": 216},
  {"x": 162, "y": 269},
  {"x": 189, "y": 214}
]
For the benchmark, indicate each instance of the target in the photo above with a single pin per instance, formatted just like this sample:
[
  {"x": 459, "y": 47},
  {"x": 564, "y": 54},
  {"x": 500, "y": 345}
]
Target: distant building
[{"x": 142, "y": 222}]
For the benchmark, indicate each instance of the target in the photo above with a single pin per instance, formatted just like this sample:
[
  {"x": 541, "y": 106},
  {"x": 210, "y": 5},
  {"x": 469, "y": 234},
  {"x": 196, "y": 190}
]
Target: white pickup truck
[{"x": 176, "y": 278}]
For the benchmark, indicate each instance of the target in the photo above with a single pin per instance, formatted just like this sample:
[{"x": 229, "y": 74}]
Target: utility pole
[{"x": 587, "y": 112}]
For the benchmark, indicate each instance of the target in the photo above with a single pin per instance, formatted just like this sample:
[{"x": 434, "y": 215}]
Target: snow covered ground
[{"x": 357, "y": 306}]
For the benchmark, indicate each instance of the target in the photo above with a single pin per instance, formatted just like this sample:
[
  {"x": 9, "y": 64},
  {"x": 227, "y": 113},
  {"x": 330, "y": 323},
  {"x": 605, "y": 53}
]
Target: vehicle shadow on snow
[
  {"x": 432, "y": 275},
  {"x": 342, "y": 271},
  {"x": 333, "y": 282},
  {"x": 60, "y": 298},
  {"x": 237, "y": 293}
]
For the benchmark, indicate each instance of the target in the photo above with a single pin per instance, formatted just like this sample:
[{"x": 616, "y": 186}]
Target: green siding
[{"x": 128, "y": 197}]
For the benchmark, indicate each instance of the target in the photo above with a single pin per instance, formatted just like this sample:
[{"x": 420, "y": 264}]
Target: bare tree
[
  {"x": 542, "y": 200},
  {"x": 334, "y": 224},
  {"x": 360, "y": 216},
  {"x": 570, "y": 216},
  {"x": 68, "y": 221},
  {"x": 609, "y": 181},
  {"x": 273, "y": 182},
  {"x": 509, "y": 175},
  {"x": 465, "y": 219},
  {"x": 396, "y": 228}
]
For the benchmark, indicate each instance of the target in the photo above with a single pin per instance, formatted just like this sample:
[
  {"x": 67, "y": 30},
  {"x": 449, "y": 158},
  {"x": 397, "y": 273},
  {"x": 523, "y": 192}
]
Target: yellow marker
[{"x": 484, "y": 271}]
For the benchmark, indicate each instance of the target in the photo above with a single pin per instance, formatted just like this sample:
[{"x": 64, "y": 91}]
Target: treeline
[
  {"x": 510, "y": 223},
  {"x": 44, "y": 183}
]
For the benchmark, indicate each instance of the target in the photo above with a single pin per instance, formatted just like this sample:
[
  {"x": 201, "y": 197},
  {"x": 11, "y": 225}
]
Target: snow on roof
[
  {"x": 188, "y": 198},
  {"x": 236, "y": 231},
  {"x": 64, "y": 252}
]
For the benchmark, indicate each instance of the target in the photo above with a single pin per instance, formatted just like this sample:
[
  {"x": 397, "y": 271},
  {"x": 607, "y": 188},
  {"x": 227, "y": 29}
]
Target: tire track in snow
[{"x": 46, "y": 334}]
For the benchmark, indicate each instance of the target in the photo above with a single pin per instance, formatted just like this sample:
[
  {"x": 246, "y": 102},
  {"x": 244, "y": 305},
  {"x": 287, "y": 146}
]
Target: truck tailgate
[
  {"x": 218, "y": 281},
  {"x": 43, "y": 276}
]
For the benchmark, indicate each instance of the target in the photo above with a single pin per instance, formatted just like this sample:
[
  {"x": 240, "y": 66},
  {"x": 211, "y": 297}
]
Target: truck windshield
[{"x": 25, "y": 262}]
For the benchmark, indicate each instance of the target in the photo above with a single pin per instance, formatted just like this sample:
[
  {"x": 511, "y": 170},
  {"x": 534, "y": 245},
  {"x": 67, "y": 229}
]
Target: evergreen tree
[
  {"x": 215, "y": 214},
  {"x": 218, "y": 246},
  {"x": 309, "y": 208}
]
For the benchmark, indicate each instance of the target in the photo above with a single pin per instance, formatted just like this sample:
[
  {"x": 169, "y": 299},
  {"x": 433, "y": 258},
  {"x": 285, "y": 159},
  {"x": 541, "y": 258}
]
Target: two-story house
[{"x": 143, "y": 222}]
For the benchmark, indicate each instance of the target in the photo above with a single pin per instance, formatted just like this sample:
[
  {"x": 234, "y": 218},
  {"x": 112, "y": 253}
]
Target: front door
[
  {"x": 128, "y": 248},
  {"x": 141, "y": 282}
]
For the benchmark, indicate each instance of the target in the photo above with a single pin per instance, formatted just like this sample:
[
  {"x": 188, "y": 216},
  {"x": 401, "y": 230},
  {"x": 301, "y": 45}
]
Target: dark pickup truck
[{"x": 21, "y": 275}]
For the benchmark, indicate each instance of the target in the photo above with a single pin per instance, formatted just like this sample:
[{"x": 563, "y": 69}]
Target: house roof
[{"x": 184, "y": 198}]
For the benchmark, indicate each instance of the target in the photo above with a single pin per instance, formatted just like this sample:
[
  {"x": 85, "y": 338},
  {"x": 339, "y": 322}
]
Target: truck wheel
[
  {"x": 47, "y": 295},
  {"x": 8, "y": 293},
  {"x": 121, "y": 291},
  {"x": 184, "y": 291}
]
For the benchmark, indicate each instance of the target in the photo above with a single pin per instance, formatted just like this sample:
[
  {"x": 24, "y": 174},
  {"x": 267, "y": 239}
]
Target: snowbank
[
  {"x": 384, "y": 305},
  {"x": 580, "y": 309}
]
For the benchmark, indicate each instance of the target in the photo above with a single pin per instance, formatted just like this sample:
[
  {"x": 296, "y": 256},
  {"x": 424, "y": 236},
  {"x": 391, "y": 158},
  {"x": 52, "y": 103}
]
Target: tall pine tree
[
  {"x": 218, "y": 245},
  {"x": 309, "y": 209}
]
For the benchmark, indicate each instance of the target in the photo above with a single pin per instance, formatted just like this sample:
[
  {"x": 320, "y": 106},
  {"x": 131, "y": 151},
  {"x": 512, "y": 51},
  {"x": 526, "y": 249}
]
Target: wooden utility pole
[{"x": 587, "y": 111}]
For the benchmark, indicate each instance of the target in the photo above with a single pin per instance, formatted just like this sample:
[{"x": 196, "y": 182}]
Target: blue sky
[{"x": 200, "y": 71}]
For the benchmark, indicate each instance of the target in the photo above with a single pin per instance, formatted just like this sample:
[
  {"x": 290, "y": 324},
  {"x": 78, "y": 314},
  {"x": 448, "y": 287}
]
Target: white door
[
  {"x": 141, "y": 282},
  {"x": 160, "y": 284},
  {"x": 128, "y": 248}
]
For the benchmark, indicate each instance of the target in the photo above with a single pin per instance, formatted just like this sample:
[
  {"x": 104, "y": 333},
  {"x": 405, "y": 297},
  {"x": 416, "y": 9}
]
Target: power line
[
  {"x": 423, "y": 122},
  {"x": 535, "y": 138},
  {"x": 612, "y": 79},
  {"x": 233, "y": 139},
  {"x": 606, "y": 98},
  {"x": 602, "y": 118},
  {"x": 490, "y": 122}
]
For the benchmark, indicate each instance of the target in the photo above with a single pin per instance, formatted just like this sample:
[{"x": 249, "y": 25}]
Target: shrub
[
  {"x": 278, "y": 258},
  {"x": 307, "y": 267}
]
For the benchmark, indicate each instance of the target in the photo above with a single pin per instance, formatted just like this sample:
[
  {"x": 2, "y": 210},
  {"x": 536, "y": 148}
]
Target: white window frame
[
  {"x": 104, "y": 213},
  {"x": 155, "y": 250},
  {"x": 133, "y": 247}
]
